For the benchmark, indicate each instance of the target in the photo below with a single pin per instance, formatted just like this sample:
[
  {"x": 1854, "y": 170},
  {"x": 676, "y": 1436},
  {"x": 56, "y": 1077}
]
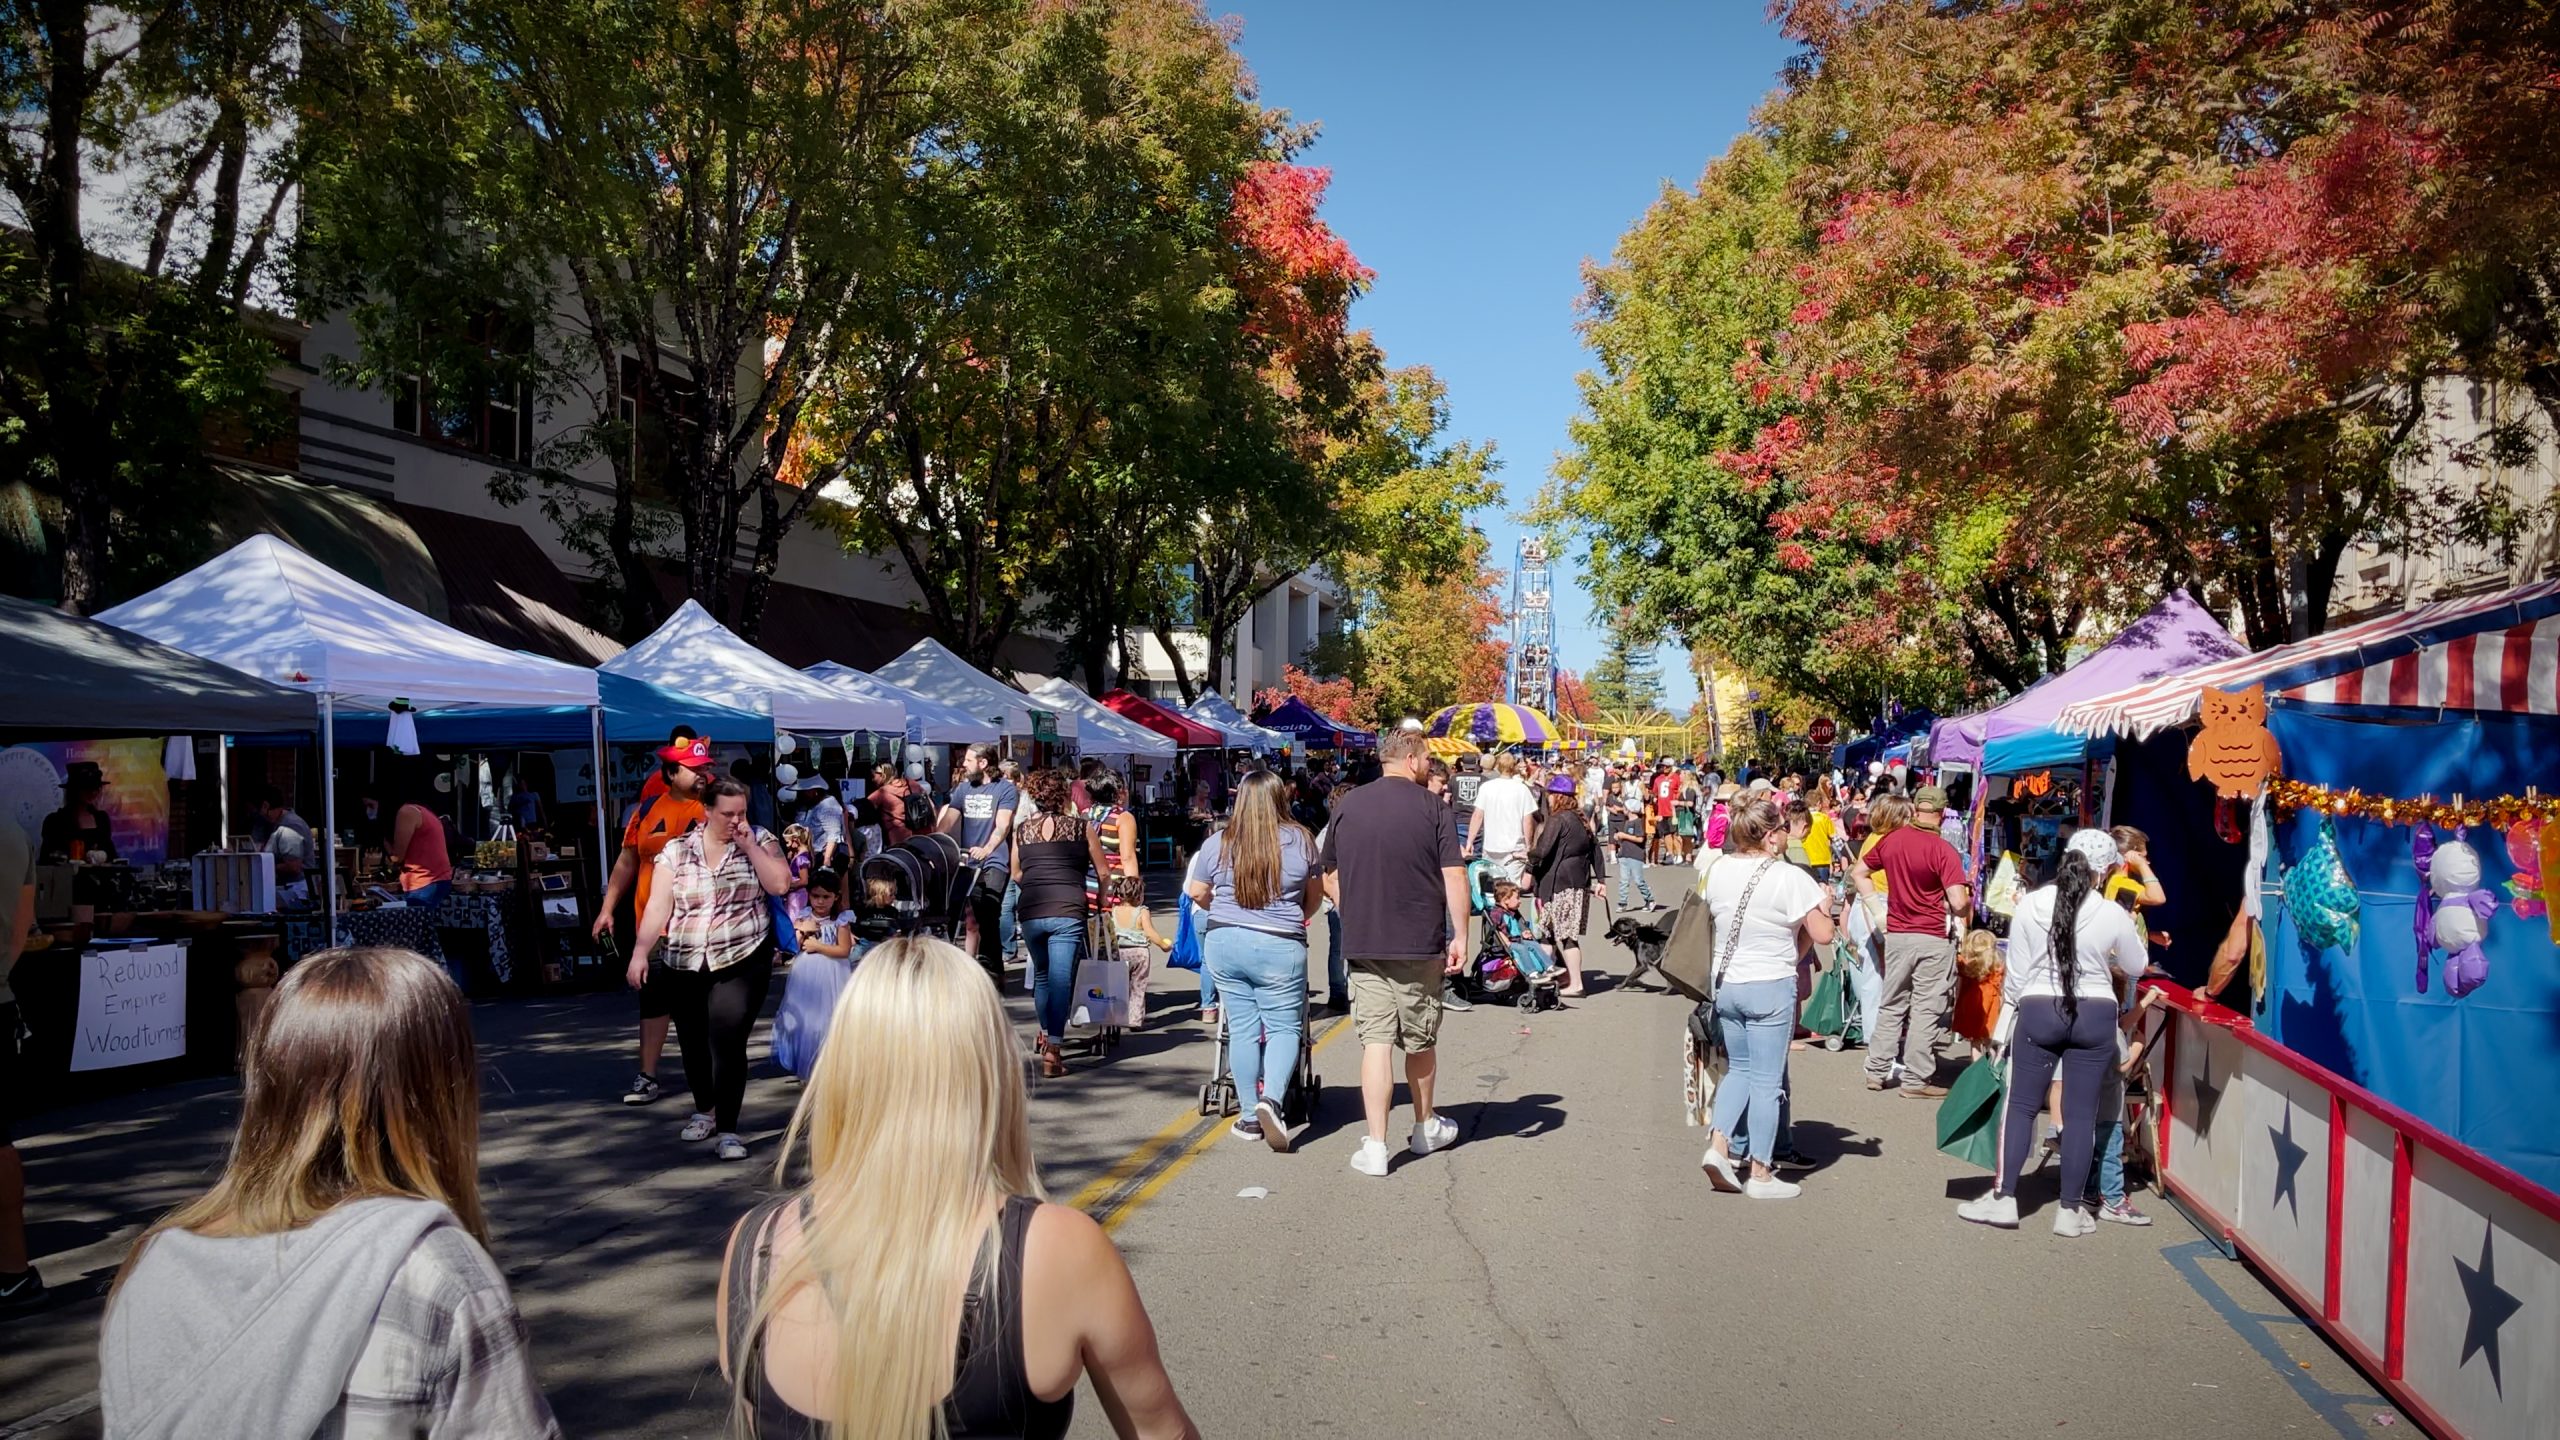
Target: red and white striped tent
[{"x": 2496, "y": 652}]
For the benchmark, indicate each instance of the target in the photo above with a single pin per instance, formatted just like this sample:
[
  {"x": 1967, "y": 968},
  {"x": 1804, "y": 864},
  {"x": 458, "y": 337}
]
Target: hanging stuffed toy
[
  {"x": 2524, "y": 853},
  {"x": 2319, "y": 895},
  {"x": 2422, "y": 853},
  {"x": 2462, "y": 916}
]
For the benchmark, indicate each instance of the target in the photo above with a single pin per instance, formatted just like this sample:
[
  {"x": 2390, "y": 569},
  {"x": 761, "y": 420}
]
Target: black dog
[{"x": 1644, "y": 936}]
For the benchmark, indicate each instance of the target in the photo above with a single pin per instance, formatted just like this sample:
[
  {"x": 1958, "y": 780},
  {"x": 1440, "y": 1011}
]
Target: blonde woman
[
  {"x": 1255, "y": 903},
  {"x": 335, "y": 1280},
  {"x": 920, "y": 1285}
]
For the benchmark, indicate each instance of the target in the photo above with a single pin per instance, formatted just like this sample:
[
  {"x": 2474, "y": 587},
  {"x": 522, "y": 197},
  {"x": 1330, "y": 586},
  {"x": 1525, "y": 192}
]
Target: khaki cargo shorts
[{"x": 1397, "y": 1002}]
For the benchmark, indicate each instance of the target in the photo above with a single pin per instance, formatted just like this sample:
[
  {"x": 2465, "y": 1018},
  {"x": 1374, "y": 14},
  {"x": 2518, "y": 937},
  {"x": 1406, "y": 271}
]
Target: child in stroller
[{"x": 1510, "y": 959}]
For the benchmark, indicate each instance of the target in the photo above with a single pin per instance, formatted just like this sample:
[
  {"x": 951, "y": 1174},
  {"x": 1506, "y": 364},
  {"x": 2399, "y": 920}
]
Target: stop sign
[{"x": 1822, "y": 731}]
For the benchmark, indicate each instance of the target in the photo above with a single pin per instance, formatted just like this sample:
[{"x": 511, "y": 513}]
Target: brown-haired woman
[
  {"x": 1766, "y": 910},
  {"x": 347, "y": 1226},
  {"x": 1053, "y": 854},
  {"x": 1565, "y": 862},
  {"x": 1256, "y": 902}
]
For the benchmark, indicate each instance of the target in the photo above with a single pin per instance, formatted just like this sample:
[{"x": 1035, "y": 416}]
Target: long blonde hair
[
  {"x": 1252, "y": 840},
  {"x": 915, "y": 1123},
  {"x": 360, "y": 1080}
]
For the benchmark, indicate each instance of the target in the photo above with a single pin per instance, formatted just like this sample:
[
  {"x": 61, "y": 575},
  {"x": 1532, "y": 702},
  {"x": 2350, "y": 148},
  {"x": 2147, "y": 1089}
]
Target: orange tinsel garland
[{"x": 2461, "y": 812}]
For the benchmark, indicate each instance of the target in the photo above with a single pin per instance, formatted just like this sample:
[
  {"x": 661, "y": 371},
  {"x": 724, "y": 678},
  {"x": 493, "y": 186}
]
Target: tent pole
[
  {"x": 329, "y": 815},
  {"x": 604, "y": 867},
  {"x": 222, "y": 784}
]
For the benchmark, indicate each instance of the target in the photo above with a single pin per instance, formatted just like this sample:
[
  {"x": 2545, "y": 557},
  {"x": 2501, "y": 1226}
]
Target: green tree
[
  {"x": 128, "y": 341},
  {"x": 1627, "y": 679}
]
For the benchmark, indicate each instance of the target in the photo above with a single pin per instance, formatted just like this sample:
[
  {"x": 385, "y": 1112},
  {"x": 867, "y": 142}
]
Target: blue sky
[{"x": 1480, "y": 153}]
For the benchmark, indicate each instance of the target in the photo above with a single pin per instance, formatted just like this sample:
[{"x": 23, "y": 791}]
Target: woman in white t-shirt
[
  {"x": 2063, "y": 930},
  {"x": 1766, "y": 910}
]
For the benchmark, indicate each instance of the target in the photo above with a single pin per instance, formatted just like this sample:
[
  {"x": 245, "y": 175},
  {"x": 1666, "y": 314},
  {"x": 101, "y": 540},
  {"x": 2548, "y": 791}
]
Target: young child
[
  {"x": 2132, "y": 883},
  {"x": 1519, "y": 934},
  {"x": 1135, "y": 937},
  {"x": 1626, "y": 839},
  {"x": 825, "y": 929},
  {"x": 2107, "y": 1198},
  {"x": 811, "y": 988},
  {"x": 1977, "y": 1012},
  {"x": 796, "y": 844}
]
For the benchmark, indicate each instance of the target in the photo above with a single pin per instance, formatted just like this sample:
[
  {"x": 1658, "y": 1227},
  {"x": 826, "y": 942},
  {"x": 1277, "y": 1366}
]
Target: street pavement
[{"x": 1563, "y": 1271}]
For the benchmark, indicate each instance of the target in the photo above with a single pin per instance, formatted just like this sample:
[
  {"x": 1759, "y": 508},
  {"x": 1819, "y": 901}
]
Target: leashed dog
[{"x": 1644, "y": 936}]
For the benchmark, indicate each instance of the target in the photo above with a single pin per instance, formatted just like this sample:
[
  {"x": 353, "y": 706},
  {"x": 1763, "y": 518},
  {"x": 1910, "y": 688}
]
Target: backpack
[{"x": 919, "y": 817}]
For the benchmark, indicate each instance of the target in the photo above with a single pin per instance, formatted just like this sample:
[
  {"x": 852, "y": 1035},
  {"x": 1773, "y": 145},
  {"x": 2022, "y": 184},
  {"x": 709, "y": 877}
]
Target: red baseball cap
[{"x": 694, "y": 754}]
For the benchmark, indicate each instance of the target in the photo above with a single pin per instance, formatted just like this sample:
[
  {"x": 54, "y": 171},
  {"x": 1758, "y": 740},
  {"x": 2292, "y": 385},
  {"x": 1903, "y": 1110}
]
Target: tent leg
[
  {"x": 604, "y": 833},
  {"x": 329, "y": 816},
  {"x": 222, "y": 785}
]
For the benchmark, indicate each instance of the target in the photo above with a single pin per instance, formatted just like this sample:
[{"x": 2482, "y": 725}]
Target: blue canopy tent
[
  {"x": 635, "y": 712},
  {"x": 1312, "y": 727}
]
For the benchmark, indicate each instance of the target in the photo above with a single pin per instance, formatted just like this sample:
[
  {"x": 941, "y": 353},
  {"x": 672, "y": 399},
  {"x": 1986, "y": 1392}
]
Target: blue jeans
[
  {"x": 1056, "y": 945},
  {"x": 1337, "y": 966},
  {"x": 1005, "y": 927},
  {"x": 1867, "y": 982},
  {"x": 1631, "y": 867},
  {"x": 428, "y": 896},
  {"x": 1758, "y": 1018},
  {"x": 1262, "y": 982},
  {"x": 2110, "y": 1186}
]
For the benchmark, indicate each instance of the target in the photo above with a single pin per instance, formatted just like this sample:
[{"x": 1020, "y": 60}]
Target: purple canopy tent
[{"x": 2177, "y": 634}]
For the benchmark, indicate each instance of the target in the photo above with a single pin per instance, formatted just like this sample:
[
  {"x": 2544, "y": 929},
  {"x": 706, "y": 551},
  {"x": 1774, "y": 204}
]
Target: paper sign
[{"x": 133, "y": 1007}]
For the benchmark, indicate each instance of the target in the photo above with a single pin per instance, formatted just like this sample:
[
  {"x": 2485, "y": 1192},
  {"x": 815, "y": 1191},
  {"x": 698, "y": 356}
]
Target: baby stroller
[
  {"x": 1297, "y": 1103},
  {"x": 1510, "y": 961},
  {"x": 930, "y": 882},
  {"x": 1832, "y": 1012}
]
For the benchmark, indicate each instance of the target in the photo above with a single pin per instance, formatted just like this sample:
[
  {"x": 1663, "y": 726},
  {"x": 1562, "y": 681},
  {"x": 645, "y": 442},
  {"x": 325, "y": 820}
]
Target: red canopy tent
[{"x": 1183, "y": 730}]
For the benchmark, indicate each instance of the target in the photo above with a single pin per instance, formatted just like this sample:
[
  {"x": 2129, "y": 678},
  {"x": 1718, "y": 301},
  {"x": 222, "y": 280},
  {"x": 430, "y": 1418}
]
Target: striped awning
[
  {"x": 2495, "y": 627},
  {"x": 2514, "y": 671}
]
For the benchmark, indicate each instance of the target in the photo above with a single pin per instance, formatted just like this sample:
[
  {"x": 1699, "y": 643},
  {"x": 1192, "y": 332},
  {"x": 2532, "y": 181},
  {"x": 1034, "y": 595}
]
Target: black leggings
[
  {"x": 2083, "y": 1048},
  {"x": 714, "y": 1011}
]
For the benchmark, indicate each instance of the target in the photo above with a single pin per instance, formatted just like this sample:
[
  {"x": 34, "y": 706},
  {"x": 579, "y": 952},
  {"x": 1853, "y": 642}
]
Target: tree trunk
[
  {"x": 74, "y": 431},
  {"x": 1173, "y": 656}
]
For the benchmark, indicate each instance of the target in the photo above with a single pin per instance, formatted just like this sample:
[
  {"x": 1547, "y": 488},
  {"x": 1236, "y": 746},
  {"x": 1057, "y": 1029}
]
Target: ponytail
[{"x": 2072, "y": 882}]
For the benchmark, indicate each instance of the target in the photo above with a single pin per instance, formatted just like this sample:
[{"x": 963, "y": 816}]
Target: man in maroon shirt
[{"x": 1924, "y": 887}]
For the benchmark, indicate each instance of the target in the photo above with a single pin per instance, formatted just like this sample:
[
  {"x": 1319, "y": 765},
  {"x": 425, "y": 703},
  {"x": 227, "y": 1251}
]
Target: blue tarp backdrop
[{"x": 2485, "y": 1068}]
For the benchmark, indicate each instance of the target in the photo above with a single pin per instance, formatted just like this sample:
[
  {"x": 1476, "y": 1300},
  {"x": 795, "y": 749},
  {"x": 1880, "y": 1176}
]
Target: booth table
[{"x": 484, "y": 913}]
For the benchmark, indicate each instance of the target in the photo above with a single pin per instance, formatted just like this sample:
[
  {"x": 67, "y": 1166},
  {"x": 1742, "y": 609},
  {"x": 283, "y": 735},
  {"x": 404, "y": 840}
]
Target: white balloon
[
  {"x": 784, "y": 775},
  {"x": 2455, "y": 870},
  {"x": 785, "y": 743},
  {"x": 2456, "y": 927}
]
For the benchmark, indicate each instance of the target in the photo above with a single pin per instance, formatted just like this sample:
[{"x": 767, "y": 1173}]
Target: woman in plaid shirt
[{"x": 708, "y": 902}]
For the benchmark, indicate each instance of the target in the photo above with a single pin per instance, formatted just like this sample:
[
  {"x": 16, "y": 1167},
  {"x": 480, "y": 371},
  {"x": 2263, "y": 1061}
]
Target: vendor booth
[
  {"x": 1312, "y": 728},
  {"x": 697, "y": 655},
  {"x": 1102, "y": 731},
  {"x": 931, "y": 669},
  {"x": 129, "y": 978},
  {"x": 1493, "y": 724},
  {"x": 2365, "y": 1112},
  {"x": 929, "y": 721},
  {"x": 1181, "y": 729},
  {"x": 1216, "y": 710}
]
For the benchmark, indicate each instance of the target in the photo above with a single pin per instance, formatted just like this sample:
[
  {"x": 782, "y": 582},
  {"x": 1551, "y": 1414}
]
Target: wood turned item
[{"x": 256, "y": 972}]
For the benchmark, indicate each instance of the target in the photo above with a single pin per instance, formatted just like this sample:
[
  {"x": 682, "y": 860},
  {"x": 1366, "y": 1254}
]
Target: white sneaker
[
  {"x": 730, "y": 1148},
  {"x": 2071, "y": 1222},
  {"x": 1437, "y": 1133},
  {"x": 700, "y": 1127},
  {"x": 1720, "y": 1172},
  {"x": 1999, "y": 1210},
  {"x": 1772, "y": 1188},
  {"x": 1371, "y": 1157}
]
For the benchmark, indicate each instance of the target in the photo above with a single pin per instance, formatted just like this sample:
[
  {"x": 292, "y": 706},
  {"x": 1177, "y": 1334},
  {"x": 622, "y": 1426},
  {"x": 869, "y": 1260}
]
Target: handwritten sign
[{"x": 133, "y": 1007}]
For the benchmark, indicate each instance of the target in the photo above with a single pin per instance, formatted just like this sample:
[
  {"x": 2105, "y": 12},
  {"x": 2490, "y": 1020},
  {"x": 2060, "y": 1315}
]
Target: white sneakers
[
  {"x": 1721, "y": 1173},
  {"x": 731, "y": 1148},
  {"x": 1997, "y": 1210},
  {"x": 1435, "y": 1134},
  {"x": 1772, "y": 1188},
  {"x": 2071, "y": 1222},
  {"x": 700, "y": 1127}
]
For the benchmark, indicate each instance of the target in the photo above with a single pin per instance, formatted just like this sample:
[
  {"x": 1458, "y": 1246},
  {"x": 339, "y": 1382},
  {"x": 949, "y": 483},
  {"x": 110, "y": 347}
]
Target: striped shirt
[{"x": 719, "y": 917}]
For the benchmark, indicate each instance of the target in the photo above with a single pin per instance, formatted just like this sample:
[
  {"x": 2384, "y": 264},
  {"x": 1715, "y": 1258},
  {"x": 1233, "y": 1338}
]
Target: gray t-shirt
[
  {"x": 979, "y": 804},
  {"x": 1286, "y": 913}
]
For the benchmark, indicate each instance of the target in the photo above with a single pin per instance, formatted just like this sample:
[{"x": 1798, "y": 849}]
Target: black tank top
[
  {"x": 1054, "y": 868},
  {"x": 990, "y": 1397}
]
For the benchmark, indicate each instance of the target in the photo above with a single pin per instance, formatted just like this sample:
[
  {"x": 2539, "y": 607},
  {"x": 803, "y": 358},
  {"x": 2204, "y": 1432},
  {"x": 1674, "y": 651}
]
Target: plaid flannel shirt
[
  {"x": 719, "y": 916},
  {"x": 447, "y": 1355}
]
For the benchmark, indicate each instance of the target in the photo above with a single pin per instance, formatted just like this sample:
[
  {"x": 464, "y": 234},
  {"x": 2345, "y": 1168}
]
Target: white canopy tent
[
  {"x": 696, "y": 654},
  {"x": 931, "y": 670},
  {"x": 929, "y": 721},
  {"x": 270, "y": 610},
  {"x": 1214, "y": 709},
  {"x": 1100, "y": 729}
]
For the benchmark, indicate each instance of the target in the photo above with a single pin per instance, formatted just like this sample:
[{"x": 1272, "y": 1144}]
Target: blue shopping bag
[{"x": 1186, "y": 940}]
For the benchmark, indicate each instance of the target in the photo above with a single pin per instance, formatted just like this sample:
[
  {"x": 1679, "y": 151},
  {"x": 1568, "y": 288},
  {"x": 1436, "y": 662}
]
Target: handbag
[
  {"x": 1705, "y": 1059},
  {"x": 1969, "y": 1118},
  {"x": 1102, "y": 993}
]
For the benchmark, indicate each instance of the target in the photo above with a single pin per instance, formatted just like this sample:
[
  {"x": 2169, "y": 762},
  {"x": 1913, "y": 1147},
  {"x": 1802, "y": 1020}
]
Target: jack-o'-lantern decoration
[
  {"x": 2234, "y": 751},
  {"x": 2040, "y": 783}
]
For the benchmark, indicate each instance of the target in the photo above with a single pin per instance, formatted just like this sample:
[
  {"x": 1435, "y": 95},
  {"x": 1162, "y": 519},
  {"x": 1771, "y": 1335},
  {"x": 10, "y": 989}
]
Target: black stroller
[{"x": 931, "y": 885}]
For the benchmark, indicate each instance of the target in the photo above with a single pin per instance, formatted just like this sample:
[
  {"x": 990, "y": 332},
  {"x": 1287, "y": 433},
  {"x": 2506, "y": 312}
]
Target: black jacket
[{"x": 1564, "y": 855}]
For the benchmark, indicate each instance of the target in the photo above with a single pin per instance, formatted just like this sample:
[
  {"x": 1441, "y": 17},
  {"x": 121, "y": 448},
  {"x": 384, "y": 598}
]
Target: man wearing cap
[
  {"x": 684, "y": 766},
  {"x": 1924, "y": 890},
  {"x": 1665, "y": 789}
]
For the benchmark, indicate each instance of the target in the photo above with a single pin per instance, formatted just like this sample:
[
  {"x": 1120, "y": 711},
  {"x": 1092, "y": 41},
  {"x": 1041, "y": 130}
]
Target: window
[
  {"x": 663, "y": 436},
  {"x": 492, "y": 418}
]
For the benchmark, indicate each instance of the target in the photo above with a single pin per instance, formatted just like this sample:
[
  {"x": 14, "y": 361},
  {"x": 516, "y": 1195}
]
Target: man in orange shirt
[{"x": 669, "y": 807}]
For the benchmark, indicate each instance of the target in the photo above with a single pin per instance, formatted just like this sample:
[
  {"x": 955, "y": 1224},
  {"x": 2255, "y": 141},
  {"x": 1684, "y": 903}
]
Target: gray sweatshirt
[{"x": 258, "y": 1336}]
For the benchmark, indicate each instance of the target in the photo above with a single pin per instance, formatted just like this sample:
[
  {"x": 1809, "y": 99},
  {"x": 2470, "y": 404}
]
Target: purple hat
[{"x": 1560, "y": 784}]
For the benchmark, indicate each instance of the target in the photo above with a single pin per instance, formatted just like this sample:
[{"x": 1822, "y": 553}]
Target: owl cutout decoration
[{"x": 2233, "y": 750}]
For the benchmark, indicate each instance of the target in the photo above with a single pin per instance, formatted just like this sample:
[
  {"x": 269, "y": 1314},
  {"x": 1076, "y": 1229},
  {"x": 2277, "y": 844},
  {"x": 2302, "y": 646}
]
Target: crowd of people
[{"x": 349, "y": 1213}]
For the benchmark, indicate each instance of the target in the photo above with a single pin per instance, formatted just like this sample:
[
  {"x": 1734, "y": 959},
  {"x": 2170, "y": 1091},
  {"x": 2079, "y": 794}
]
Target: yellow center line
[{"x": 1132, "y": 1181}]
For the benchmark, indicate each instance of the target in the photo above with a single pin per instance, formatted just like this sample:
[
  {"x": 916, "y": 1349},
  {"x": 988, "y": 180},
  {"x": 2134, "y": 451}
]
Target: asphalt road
[{"x": 1563, "y": 1271}]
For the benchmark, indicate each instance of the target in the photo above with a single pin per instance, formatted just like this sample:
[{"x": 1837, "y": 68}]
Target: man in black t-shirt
[{"x": 1392, "y": 867}]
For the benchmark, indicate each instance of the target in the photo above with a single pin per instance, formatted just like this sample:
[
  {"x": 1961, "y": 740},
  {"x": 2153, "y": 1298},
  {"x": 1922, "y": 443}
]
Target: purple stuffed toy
[{"x": 2461, "y": 919}]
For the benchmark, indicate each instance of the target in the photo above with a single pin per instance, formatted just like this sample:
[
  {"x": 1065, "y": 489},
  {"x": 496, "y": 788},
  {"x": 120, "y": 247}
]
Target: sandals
[{"x": 1052, "y": 1064}]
